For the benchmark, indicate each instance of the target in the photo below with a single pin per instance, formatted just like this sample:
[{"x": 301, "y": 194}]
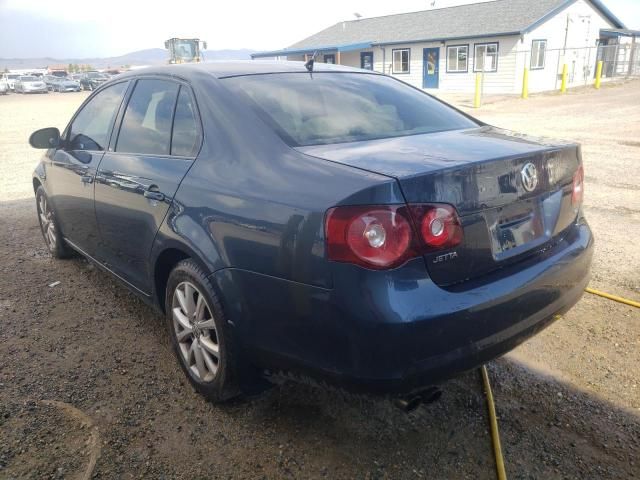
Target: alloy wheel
[
  {"x": 47, "y": 222},
  {"x": 195, "y": 332}
]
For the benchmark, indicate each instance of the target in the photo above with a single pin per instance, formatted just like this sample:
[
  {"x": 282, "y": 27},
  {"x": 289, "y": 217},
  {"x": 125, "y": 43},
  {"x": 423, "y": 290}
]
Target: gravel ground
[{"x": 568, "y": 399}]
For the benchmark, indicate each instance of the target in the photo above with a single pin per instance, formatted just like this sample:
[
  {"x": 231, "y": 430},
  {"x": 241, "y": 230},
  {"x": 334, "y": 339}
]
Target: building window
[
  {"x": 330, "y": 58},
  {"x": 485, "y": 57},
  {"x": 401, "y": 60},
  {"x": 457, "y": 58},
  {"x": 538, "y": 52}
]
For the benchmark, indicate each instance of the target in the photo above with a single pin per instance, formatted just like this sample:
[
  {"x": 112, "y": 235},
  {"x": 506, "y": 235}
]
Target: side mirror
[{"x": 45, "y": 138}]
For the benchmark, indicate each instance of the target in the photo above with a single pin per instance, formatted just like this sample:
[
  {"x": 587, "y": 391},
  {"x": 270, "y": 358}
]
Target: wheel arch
[{"x": 165, "y": 261}]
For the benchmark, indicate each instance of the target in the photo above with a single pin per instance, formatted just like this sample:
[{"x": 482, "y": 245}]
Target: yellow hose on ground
[
  {"x": 493, "y": 421},
  {"x": 615, "y": 298}
]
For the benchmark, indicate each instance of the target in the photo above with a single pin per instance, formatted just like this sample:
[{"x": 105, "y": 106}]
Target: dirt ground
[{"x": 86, "y": 371}]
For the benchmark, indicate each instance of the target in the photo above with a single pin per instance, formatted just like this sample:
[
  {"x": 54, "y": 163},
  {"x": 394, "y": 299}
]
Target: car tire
[
  {"x": 199, "y": 330},
  {"x": 49, "y": 226}
]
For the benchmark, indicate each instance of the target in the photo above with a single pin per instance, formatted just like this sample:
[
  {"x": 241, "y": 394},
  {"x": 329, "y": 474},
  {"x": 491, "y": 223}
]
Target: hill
[{"x": 149, "y": 56}]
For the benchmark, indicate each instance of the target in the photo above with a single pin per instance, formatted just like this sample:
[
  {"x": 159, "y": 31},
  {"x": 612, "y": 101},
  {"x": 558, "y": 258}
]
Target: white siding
[
  {"x": 514, "y": 54},
  {"x": 584, "y": 30}
]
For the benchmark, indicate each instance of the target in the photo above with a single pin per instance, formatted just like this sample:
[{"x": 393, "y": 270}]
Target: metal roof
[{"x": 486, "y": 19}]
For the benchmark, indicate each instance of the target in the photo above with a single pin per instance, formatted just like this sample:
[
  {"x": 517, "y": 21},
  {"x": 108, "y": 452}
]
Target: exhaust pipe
[{"x": 412, "y": 401}]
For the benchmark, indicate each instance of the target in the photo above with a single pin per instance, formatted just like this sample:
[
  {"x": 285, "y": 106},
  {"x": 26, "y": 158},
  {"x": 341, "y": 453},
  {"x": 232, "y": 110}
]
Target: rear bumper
[{"x": 394, "y": 332}]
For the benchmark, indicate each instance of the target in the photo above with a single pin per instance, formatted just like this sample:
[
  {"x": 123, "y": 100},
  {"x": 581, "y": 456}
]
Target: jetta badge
[{"x": 529, "y": 175}]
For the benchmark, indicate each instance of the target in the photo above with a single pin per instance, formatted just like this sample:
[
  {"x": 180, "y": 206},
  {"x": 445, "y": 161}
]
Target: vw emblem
[{"x": 529, "y": 175}]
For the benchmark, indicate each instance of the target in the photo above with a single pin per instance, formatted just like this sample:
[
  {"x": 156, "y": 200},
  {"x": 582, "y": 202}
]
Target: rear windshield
[{"x": 325, "y": 108}]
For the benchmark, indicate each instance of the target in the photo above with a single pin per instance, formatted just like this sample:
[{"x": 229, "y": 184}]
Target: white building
[{"x": 445, "y": 48}]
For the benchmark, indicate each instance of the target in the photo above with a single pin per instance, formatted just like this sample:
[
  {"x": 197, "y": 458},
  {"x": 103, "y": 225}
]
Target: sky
[{"x": 82, "y": 29}]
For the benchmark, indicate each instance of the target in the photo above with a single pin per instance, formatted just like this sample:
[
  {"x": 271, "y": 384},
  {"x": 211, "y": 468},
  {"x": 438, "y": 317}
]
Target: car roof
[{"x": 239, "y": 67}]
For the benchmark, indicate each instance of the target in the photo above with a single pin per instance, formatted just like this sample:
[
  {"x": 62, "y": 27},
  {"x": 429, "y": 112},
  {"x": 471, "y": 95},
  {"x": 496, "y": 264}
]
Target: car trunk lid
[{"x": 506, "y": 214}]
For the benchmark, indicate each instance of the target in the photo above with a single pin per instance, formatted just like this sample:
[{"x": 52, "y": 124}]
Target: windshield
[
  {"x": 343, "y": 107},
  {"x": 12, "y": 77},
  {"x": 95, "y": 75},
  {"x": 185, "y": 49},
  {"x": 28, "y": 79}
]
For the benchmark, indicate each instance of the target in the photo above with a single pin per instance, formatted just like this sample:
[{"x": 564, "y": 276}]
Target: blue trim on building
[
  {"x": 596, "y": 3},
  {"x": 443, "y": 39}
]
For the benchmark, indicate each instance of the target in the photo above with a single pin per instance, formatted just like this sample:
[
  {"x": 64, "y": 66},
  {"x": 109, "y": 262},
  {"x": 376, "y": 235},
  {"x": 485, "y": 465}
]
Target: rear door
[
  {"x": 158, "y": 140},
  {"x": 72, "y": 168}
]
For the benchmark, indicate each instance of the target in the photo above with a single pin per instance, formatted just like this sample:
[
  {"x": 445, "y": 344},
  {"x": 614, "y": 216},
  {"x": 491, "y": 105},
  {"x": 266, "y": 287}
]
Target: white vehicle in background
[
  {"x": 30, "y": 84},
  {"x": 10, "y": 78}
]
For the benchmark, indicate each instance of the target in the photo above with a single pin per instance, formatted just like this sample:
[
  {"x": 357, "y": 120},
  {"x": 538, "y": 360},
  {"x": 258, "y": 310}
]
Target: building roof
[{"x": 486, "y": 19}]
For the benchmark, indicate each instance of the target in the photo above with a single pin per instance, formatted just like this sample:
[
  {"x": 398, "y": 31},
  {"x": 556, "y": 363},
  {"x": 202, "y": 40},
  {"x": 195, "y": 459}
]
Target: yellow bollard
[
  {"x": 476, "y": 97},
  {"x": 563, "y": 85},
  {"x": 598, "y": 74},
  {"x": 525, "y": 83}
]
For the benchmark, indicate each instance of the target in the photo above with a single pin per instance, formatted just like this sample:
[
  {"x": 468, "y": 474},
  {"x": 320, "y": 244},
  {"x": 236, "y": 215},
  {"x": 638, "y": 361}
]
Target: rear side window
[
  {"x": 91, "y": 128},
  {"x": 146, "y": 126},
  {"x": 186, "y": 138},
  {"x": 343, "y": 107}
]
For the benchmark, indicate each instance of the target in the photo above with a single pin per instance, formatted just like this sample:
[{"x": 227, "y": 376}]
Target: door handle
[
  {"x": 87, "y": 179},
  {"x": 152, "y": 193}
]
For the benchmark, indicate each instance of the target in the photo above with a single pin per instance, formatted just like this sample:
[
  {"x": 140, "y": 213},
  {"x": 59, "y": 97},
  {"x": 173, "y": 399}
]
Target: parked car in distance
[
  {"x": 50, "y": 80},
  {"x": 66, "y": 85},
  {"x": 92, "y": 80},
  {"x": 11, "y": 79},
  {"x": 338, "y": 224},
  {"x": 30, "y": 84}
]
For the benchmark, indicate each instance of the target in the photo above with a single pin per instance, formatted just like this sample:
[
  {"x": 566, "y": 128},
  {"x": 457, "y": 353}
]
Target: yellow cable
[
  {"x": 615, "y": 298},
  {"x": 495, "y": 435}
]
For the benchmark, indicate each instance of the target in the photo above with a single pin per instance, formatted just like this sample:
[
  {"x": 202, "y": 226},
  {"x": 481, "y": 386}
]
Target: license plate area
[{"x": 516, "y": 228}]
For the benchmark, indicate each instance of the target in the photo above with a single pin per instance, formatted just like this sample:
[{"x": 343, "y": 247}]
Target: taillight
[
  {"x": 386, "y": 236},
  {"x": 578, "y": 187},
  {"x": 438, "y": 225},
  {"x": 371, "y": 236}
]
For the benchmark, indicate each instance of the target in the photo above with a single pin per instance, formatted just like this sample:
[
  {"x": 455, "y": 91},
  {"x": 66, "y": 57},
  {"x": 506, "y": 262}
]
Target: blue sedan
[{"x": 327, "y": 221}]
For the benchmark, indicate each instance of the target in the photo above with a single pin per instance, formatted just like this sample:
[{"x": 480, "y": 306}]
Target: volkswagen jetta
[{"x": 337, "y": 223}]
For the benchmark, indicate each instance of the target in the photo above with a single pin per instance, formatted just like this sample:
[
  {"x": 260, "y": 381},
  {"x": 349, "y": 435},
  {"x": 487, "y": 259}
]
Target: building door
[
  {"x": 430, "y": 61},
  {"x": 366, "y": 60},
  {"x": 330, "y": 58}
]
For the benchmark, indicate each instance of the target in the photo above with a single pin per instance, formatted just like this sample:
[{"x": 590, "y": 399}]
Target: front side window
[
  {"x": 185, "y": 139},
  {"x": 401, "y": 61},
  {"x": 457, "y": 58},
  {"x": 343, "y": 107},
  {"x": 486, "y": 57},
  {"x": 538, "y": 52},
  {"x": 146, "y": 125},
  {"x": 91, "y": 128}
]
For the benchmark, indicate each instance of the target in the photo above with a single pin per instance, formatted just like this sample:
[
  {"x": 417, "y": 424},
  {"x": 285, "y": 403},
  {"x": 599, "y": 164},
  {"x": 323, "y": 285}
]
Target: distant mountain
[{"x": 150, "y": 56}]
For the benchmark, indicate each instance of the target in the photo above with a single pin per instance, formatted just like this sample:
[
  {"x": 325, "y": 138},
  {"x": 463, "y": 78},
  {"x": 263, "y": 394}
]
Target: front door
[
  {"x": 330, "y": 58},
  {"x": 72, "y": 168},
  {"x": 136, "y": 182},
  {"x": 366, "y": 60},
  {"x": 430, "y": 62}
]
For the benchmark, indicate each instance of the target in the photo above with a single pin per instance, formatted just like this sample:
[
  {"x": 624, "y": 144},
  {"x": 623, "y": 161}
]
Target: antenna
[{"x": 310, "y": 62}]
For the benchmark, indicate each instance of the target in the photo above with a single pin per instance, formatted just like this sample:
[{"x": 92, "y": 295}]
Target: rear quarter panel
[{"x": 250, "y": 202}]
